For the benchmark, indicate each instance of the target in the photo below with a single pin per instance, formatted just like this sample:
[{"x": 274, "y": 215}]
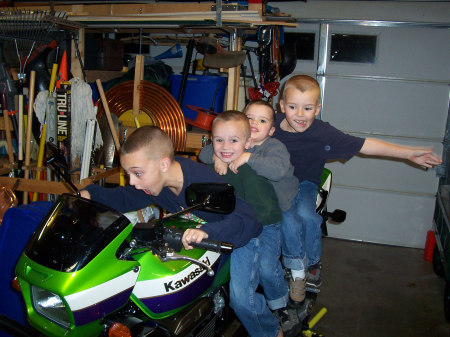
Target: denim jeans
[
  {"x": 258, "y": 263},
  {"x": 300, "y": 228}
]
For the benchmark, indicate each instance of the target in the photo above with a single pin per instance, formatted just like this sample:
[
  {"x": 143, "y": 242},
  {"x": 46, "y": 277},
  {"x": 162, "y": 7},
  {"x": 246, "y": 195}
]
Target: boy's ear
[
  {"x": 164, "y": 164},
  {"x": 318, "y": 108},
  {"x": 281, "y": 105},
  {"x": 248, "y": 143},
  {"x": 271, "y": 131}
]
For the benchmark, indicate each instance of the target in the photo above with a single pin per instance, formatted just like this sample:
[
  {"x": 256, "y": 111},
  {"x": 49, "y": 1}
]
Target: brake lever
[{"x": 170, "y": 255}]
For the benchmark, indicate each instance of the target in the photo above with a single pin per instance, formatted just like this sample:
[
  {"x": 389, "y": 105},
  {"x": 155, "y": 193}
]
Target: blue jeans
[
  {"x": 300, "y": 228},
  {"x": 258, "y": 262}
]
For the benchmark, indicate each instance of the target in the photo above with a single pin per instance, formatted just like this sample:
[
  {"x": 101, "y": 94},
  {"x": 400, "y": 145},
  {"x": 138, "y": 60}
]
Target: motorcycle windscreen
[{"x": 73, "y": 233}]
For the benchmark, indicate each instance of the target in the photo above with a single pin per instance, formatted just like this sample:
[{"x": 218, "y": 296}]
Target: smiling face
[
  {"x": 300, "y": 108},
  {"x": 261, "y": 122},
  {"x": 144, "y": 173},
  {"x": 229, "y": 139}
]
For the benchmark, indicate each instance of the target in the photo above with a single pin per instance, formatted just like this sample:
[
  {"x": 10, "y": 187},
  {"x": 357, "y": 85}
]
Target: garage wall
[{"x": 402, "y": 97}]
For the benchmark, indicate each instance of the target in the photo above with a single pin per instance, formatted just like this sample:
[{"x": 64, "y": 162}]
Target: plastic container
[{"x": 201, "y": 91}]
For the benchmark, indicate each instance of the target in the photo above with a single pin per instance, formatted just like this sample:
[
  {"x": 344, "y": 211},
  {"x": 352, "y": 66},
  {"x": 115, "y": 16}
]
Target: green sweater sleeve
[{"x": 258, "y": 192}]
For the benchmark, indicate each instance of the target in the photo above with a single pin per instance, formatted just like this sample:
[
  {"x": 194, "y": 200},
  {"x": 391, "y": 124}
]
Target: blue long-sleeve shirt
[{"x": 237, "y": 227}]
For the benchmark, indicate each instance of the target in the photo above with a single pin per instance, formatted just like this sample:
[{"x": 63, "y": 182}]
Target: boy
[
  {"x": 157, "y": 177},
  {"x": 311, "y": 143},
  {"x": 270, "y": 159},
  {"x": 258, "y": 261},
  {"x": 267, "y": 156}
]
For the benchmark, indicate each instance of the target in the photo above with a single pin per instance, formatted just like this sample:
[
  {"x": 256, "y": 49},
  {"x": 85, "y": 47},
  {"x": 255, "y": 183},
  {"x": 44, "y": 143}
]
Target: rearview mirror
[
  {"x": 212, "y": 197},
  {"x": 57, "y": 160}
]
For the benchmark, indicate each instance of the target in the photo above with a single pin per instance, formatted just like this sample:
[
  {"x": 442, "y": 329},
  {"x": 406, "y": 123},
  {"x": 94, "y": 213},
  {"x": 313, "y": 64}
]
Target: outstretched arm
[{"x": 421, "y": 156}]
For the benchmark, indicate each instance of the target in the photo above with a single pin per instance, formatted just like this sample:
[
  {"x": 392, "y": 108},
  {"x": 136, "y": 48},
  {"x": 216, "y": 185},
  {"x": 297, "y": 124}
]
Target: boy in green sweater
[{"x": 258, "y": 261}]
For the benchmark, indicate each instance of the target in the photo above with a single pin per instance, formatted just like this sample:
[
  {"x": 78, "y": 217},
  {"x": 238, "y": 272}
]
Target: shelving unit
[{"x": 153, "y": 18}]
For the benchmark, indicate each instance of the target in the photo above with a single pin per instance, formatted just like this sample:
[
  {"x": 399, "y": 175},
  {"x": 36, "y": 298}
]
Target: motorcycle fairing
[
  {"x": 98, "y": 273},
  {"x": 75, "y": 232},
  {"x": 182, "y": 282},
  {"x": 93, "y": 303}
]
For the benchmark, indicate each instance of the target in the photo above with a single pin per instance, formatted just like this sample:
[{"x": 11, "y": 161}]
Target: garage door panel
[
  {"x": 405, "y": 218},
  {"x": 400, "y": 53},
  {"x": 384, "y": 174},
  {"x": 404, "y": 109}
]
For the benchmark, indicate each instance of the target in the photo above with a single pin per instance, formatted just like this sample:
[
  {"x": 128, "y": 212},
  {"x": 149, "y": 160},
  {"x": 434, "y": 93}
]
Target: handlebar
[
  {"x": 174, "y": 235},
  {"x": 213, "y": 245}
]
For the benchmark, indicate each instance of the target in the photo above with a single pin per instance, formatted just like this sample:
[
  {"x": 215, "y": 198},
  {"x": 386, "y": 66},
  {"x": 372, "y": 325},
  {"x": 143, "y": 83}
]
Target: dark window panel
[{"x": 353, "y": 48}]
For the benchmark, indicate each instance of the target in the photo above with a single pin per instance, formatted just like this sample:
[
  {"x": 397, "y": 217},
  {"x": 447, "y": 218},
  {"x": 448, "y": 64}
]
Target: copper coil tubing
[{"x": 156, "y": 102}]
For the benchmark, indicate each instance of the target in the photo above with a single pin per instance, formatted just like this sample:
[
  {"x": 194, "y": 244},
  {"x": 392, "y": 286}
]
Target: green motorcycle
[{"x": 87, "y": 271}]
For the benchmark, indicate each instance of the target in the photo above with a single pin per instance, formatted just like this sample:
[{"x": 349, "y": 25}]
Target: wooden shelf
[
  {"x": 138, "y": 15},
  {"x": 195, "y": 139}
]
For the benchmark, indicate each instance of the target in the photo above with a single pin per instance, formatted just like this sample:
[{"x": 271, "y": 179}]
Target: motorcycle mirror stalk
[{"x": 57, "y": 160}]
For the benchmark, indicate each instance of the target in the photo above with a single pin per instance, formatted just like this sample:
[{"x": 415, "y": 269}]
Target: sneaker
[
  {"x": 314, "y": 275},
  {"x": 297, "y": 289}
]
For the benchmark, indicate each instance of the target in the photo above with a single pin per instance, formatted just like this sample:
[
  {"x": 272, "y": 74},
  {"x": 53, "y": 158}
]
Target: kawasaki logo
[
  {"x": 160, "y": 286},
  {"x": 178, "y": 284}
]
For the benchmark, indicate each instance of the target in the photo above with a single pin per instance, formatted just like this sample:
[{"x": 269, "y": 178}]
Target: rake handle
[
  {"x": 108, "y": 114},
  {"x": 29, "y": 128}
]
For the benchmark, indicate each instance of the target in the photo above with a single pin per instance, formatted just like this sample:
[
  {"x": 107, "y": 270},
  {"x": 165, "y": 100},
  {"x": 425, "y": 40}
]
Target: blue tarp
[{"x": 16, "y": 229}]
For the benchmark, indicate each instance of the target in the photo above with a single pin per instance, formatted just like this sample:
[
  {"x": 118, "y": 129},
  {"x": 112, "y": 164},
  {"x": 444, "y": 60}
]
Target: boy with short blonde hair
[
  {"x": 266, "y": 155},
  {"x": 258, "y": 261},
  {"x": 311, "y": 142}
]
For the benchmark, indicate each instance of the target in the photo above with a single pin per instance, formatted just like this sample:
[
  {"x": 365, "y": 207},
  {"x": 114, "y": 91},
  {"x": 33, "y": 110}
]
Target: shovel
[{"x": 7, "y": 198}]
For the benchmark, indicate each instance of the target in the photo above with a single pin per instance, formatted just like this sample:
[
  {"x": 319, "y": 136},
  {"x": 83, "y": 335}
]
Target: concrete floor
[{"x": 380, "y": 291}]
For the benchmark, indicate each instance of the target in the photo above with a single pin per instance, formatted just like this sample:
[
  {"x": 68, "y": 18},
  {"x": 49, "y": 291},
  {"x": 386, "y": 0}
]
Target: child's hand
[
  {"x": 243, "y": 159},
  {"x": 425, "y": 158},
  {"x": 219, "y": 166},
  {"x": 85, "y": 194},
  {"x": 193, "y": 235}
]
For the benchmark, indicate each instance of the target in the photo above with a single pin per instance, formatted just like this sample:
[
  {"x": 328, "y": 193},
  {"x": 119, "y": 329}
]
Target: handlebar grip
[
  {"x": 173, "y": 237},
  {"x": 214, "y": 246}
]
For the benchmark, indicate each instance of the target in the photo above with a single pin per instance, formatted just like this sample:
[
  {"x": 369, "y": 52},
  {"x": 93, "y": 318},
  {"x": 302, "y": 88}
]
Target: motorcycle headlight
[{"x": 50, "y": 306}]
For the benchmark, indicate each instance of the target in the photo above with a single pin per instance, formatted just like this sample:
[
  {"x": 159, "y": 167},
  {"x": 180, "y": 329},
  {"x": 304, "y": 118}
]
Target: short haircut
[
  {"x": 155, "y": 142},
  {"x": 302, "y": 83},
  {"x": 263, "y": 103},
  {"x": 233, "y": 115}
]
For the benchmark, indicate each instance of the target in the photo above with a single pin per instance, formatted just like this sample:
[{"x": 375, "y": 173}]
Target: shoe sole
[
  {"x": 314, "y": 285},
  {"x": 312, "y": 289}
]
